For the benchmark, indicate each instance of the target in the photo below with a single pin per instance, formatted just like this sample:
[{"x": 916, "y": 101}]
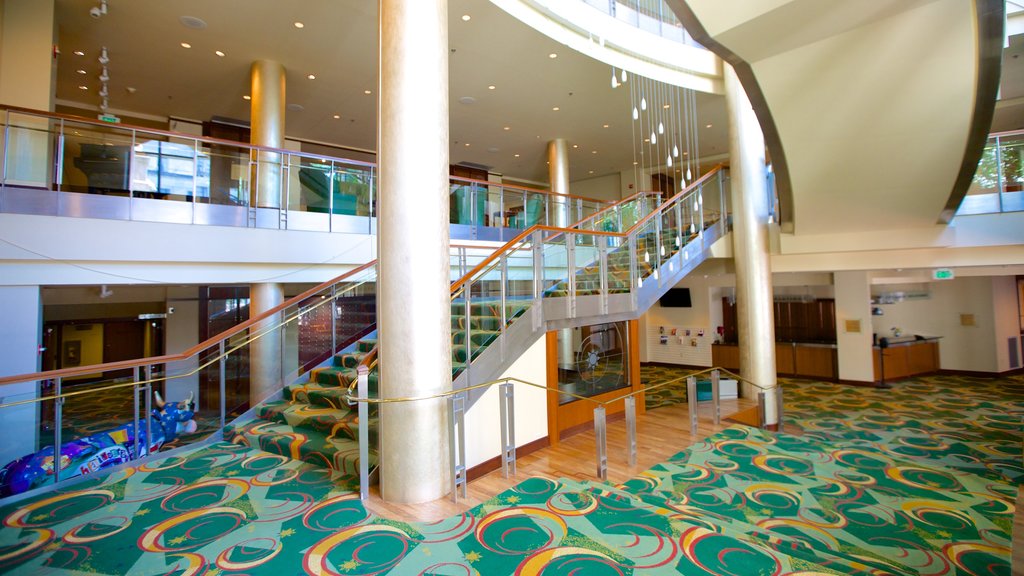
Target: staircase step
[
  {"x": 333, "y": 376},
  {"x": 328, "y": 396},
  {"x": 337, "y": 453},
  {"x": 366, "y": 345},
  {"x": 332, "y": 422}
]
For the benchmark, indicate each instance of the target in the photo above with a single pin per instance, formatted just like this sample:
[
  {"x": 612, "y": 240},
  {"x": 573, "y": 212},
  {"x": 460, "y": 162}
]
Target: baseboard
[
  {"x": 979, "y": 374},
  {"x": 670, "y": 365},
  {"x": 861, "y": 383},
  {"x": 488, "y": 466}
]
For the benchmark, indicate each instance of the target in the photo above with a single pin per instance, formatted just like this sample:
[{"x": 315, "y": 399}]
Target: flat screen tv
[{"x": 676, "y": 298}]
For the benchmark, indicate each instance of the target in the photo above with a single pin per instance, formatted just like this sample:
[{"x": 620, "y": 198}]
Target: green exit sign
[
  {"x": 943, "y": 274},
  {"x": 109, "y": 118}
]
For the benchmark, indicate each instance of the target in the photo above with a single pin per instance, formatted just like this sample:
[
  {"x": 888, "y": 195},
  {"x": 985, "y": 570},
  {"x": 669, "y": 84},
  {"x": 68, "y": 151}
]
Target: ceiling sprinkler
[{"x": 99, "y": 11}]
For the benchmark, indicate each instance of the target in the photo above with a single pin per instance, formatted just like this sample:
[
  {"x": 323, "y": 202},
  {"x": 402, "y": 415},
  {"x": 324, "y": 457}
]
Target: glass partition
[
  {"x": 998, "y": 184},
  {"x": 592, "y": 360}
]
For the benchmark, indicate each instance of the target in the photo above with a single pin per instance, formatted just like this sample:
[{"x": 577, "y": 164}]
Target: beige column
[
  {"x": 413, "y": 289},
  {"x": 265, "y": 352},
  {"x": 28, "y": 74},
  {"x": 267, "y": 129},
  {"x": 754, "y": 306},
  {"x": 558, "y": 176},
  {"x": 854, "y": 325}
]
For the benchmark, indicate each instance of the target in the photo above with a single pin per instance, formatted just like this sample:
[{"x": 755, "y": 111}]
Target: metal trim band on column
[
  {"x": 762, "y": 418},
  {"x": 457, "y": 444},
  {"x": 601, "y": 442},
  {"x": 716, "y": 399},
  {"x": 506, "y": 404},
  {"x": 363, "y": 389},
  {"x": 631, "y": 429},
  {"x": 691, "y": 401}
]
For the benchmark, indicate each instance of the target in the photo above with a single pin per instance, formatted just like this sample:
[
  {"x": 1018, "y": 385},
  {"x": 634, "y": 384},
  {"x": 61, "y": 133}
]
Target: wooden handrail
[{"x": 525, "y": 233}]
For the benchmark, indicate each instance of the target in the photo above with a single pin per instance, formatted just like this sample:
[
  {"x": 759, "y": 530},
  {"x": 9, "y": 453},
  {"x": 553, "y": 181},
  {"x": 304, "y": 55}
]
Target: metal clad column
[
  {"x": 558, "y": 176},
  {"x": 754, "y": 306},
  {"x": 413, "y": 295},
  {"x": 267, "y": 119},
  {"x": 265, "y": 352}
]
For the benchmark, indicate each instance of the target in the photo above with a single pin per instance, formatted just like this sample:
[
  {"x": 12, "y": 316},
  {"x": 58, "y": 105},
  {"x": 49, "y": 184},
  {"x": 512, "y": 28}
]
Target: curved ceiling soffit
[
  {"x": 990, "y": 16},
  {"x": 605, "y": 39},
  {"x": 772, "y": 140}
]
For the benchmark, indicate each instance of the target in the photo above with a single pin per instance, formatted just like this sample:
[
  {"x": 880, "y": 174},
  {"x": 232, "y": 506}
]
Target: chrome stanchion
[
  {"x": 457, "y": 444},
  {"x": 631, "y": 429},
  {"x": 716, "y": 400},
  {"x": 601, "y": 440},
  {"x": 363, "y": 412},
  {"x": 779, "y": 408},
  {"x": 691, "y": 400},
  {"x": 762, "y": 418},
  {"x": 506, "y": 403},
  {"x": 58, "y": 432}
]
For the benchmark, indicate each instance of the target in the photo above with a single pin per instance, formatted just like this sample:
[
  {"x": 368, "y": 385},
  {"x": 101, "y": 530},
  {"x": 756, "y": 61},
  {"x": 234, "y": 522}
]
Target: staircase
[{"x": 547, "y": 280}]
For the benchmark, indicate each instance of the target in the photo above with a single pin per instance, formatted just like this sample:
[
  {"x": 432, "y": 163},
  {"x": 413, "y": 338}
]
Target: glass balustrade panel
[
  {"x": 168, "y": 170},
  {"x": 555, "y": 267},
  {"x": 228, "y": 172},
  {"x": 29, "y": 150},
  {"x": 519, "y": 285},
  {"x": 96, "y": 160}
]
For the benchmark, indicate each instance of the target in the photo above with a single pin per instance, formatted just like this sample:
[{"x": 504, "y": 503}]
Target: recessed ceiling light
[
  {"x": 575, "y": 145},
  {"x": 665, "y": 106},
  {"x": 186, "y": 45},
  {"x": 605, "y": 126},
  {"x": 686, "y": 153},
  {"x": 708, "y": 126},
  {"x": 298, "y": 24},
  {"x": 83, "y": 87},
  {"x": 647, "y": 139},
  {"x": 218, "y": 53},
  {"x": 367, "y": 92},
  {"x": 82, "y": 72},
  {"x": 556, "y": 108},
  {"x": 467, "y": 144},
  {"x": 79, "y": 53},
  {"x": 517, "y": 155},
  {"x": 507, "y": 128},
  {"x": 466, "y": 17},
  {"x": 246, "y": 97},
  {"x": 491, "y": 87},
  {"x": 635, "y": 163},
  {"x": 552, "y": 55},
  {"x": 593, "y": 151},
  {"x": 591, "y": 172},
  {"x": 311, "y": 76},
  {"x": 337, "y": 116}
]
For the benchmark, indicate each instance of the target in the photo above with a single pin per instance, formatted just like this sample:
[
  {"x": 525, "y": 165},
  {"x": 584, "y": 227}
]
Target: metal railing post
[
  {"x": 135, "y": 405},
  {"x": 506, "y": 404},
  {"x": 223, "y": 384},
  {"x": 780, "y": 408},
  {"x": 716, "y": 401},
  {"x": 762, "y": 418},
  {"x": 58, "y": 430},
  {"x": 691, "y": 400},
  {"x": 570, "y": 263},
  {"x": 631, "y": 429},
  {"x": 538, "y": 279},
  {"x": 59, "y": 176},
  {"x": 149, "y": 407},
  {"x": 504, "y": 303},
  {"x": 601, "y": 441},
  {"x": 457, "y": 444},
  {"x": 363, "y": 390},
  {"x": 602, "y": 251},
  {"x": 334, "y": 318}
]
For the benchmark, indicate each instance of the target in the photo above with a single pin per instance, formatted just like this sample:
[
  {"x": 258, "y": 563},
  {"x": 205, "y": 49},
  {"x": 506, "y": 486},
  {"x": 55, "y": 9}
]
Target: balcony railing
[
  {"x": 61, "y": 165},
  {"x": 998, "y": 184},
  {"x": 653, "y": 16}
]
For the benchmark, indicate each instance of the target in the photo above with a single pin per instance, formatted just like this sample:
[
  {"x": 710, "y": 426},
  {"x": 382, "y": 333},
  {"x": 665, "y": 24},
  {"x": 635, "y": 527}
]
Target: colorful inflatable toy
[{"x": 101, "y": 450}]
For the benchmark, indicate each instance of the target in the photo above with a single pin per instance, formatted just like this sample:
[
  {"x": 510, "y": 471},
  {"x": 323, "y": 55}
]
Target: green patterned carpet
[
  {"x": 651, "y": 374},
  {"x": 920, "y": 479}
]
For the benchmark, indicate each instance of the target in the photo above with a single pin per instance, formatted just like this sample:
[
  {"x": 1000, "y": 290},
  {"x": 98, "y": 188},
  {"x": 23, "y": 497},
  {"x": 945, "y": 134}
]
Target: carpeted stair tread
[
  {"x": 337, "y": 453},
  {"x": 332, "y": 422},
  {"x": 329, "y": 396}
]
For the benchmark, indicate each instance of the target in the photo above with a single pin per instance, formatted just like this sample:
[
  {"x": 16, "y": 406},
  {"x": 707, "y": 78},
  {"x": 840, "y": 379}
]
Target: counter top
[{"x": 909, "y": 340}]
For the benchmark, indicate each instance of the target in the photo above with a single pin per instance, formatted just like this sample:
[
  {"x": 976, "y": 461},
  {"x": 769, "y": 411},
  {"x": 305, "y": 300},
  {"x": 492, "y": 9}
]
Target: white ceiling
[{"x": 339, "y": 45}]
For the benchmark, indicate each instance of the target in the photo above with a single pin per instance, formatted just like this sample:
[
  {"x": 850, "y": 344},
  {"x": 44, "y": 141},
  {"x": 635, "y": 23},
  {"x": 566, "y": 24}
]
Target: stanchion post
[
  {"x": 716, "y": 398},
  {"x": 762, "y": 418},
  {"x": 601, "y": 441},
  {"x": 363, "y": 411},
  {"x": 631, "y": 428},
  {"x": 691, "y": 400}
]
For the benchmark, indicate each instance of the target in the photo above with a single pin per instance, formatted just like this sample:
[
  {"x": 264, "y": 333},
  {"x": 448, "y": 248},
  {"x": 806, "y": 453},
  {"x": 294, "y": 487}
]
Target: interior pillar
[
  {"x": 558, "y": 176},
  {"x": 854, "y": 326},
  {"x": 265, "y": 352},
  {"x": 267, "y": 79},
  {"x": 21, "y": 332},
  {"x": 413, "y": 289},
  {"x": 749, "y": 194}
]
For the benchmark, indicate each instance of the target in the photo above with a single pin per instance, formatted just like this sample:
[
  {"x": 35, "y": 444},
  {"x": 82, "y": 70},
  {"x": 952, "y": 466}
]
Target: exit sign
[
  {"x": 109, "y": 118},
  {"x": 943, "y": 274}
]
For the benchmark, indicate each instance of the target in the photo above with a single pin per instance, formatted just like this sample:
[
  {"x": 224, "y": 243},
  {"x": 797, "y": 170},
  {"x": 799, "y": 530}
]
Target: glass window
[{"x": 592, "y": 360}]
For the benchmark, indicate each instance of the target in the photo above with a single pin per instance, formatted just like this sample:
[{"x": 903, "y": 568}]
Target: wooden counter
[
  {"x": 905, "y": 359},
  {"x": 791, "y": 359}
]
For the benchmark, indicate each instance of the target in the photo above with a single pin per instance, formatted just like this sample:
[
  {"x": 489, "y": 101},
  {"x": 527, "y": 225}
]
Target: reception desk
[
  {"x": 800, "y": 359},
  {"x": 906, "y": 357}
]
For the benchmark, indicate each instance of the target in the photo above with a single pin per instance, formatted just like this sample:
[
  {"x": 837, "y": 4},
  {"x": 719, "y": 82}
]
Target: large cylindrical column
[
  {"x": 265, "y": 352},
  {"x": 267, "y": 129},
  {"x": 413, "y": 289},
  {"x": 558, "y": 176},
  {"x": 749, "y": 194}
]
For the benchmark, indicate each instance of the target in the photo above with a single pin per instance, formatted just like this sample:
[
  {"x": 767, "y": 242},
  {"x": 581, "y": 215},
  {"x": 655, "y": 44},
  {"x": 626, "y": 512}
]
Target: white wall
[
  {"x": 181, "y": 331},
  {"x": 979, "y": 348},
  {"x": 20, "y": 336},
  {"x": 483, "y": 432},
  {"x": 601, "y": 188}
]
